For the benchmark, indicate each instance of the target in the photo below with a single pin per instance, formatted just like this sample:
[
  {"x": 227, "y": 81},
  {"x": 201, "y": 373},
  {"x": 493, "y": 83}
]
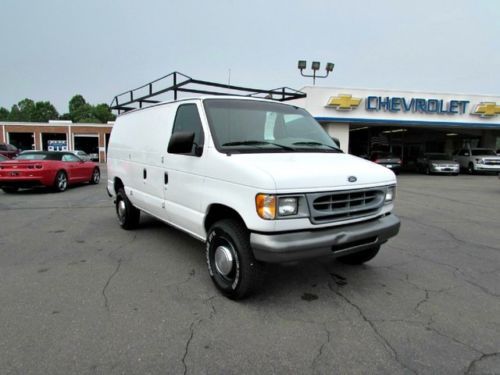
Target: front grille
[
  {"x": 491, "y": 162},
  {"x": 344, "y": 205}
]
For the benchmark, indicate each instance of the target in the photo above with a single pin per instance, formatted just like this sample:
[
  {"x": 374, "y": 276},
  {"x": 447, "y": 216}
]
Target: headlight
[
  {"x": 266, "y": 206},
  {"x": 435, "y": 165},
  {"x": 287, "y": 206},
  {"x": 270, "y": 207},
  {"x": 390, "y": 194}
]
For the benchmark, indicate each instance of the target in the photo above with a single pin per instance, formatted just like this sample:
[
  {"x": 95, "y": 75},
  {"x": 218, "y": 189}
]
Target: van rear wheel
[
  {"x": 128, "y": 215},
  {"x": 231, "y": 264},
  {"x": 361, "y": 257}
]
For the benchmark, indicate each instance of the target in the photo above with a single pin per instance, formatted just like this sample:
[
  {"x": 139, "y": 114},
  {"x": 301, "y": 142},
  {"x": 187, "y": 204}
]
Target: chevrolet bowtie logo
[
  {"x": 343, "y": 102},
  {"x": 487, "y": 109}
]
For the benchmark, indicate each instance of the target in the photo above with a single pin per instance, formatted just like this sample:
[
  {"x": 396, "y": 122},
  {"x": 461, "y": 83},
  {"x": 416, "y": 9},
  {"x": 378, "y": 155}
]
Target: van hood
[{"x": 314, "y": 171}]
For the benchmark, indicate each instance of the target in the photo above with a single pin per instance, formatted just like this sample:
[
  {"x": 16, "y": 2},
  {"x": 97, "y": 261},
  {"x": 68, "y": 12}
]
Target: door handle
[
  {"x": 144, "y": 173},
  {"x": 165, "y": 178}
]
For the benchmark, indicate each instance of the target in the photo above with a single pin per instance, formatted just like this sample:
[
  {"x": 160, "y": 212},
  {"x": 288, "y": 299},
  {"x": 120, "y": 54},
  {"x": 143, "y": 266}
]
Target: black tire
[
  {"x": 470, "y": 168},
  {"x": 61, "y": 182},
  {"x": 96, "y": 176},
  {"x": 230, "y": 260},
  {"x": 128, "y": 215},
  {"x": 10, "y": 190},
  {"x": 361, "y": 257}
]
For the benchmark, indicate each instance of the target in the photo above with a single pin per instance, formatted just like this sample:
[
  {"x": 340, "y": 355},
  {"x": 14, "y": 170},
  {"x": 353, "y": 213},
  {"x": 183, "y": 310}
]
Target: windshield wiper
[
  {"x": 313, "y": 143},
  {"x": 258, "y": 143}
]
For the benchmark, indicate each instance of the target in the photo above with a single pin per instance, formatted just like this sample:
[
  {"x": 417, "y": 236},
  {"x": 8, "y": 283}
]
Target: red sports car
[{"x": 46, "y": 168}]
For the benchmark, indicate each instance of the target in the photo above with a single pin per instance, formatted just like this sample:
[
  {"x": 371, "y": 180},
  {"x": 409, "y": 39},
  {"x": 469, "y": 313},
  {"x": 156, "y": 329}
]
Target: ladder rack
[{"x": 177, "y": 82}]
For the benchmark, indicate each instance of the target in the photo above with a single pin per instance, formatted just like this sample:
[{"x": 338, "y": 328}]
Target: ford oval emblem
[{"x": 352, "y": 179}]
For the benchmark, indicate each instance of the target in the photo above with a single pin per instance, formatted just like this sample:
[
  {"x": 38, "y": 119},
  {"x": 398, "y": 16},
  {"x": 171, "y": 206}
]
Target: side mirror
[{"x": 181, "y": 143}]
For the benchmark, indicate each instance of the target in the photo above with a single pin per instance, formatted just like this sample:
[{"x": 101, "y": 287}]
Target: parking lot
[{"x": 80, "y": 295}]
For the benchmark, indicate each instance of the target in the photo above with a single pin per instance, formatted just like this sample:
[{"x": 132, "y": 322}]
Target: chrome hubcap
[
  {"x": 223, "y": 260},
  {"x": 96, "y": 176},
  {"x": 121, "y": 209}
]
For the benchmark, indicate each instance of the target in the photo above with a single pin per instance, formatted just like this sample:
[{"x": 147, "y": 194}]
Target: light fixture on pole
[{"x": 315, "y": 66}]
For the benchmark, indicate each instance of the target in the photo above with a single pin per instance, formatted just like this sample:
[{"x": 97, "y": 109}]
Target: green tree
[
  {"x": 81, "y": 111},
  {"x": 76, "y": 103},
  {"x": 15, "y": 114},
  {"x": 27, "y": 109},
  {"x": 4, "y": 114},
  {"x": 103, "y": 113},
  {"x": 44, "y": 111}
]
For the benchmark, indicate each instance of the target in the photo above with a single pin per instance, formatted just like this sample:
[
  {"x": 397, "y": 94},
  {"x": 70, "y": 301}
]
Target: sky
[{"x": 54, "y": 49}]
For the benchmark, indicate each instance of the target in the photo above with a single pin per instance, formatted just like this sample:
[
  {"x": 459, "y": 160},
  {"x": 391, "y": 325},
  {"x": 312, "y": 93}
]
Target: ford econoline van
[{"x": 257, "y": 181}]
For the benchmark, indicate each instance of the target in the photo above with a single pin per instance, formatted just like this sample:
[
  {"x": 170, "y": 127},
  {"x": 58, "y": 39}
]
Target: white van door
[{"x": 183, "y": 177}]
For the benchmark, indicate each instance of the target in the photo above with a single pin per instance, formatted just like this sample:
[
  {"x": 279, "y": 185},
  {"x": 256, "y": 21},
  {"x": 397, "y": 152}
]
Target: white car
[
  {"x": 475, "y": 160},
  {"x": 256, "y": 180}
]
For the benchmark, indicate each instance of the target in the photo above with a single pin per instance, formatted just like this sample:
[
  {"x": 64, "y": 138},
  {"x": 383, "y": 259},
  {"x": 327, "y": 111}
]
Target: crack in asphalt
[
  {"x": 477, "y": 360},
  {"x": 322, "y": 347},
  {"x": 196, "y": 324},
  {"x": 386, "y": 343},
  {"x": 188, "y": 342},
  {"x": 106, "y": 305},
  {"x": 117, "y": 268},
  {"x": 456, "y": 270},
  {"x": 450, "y": 234}
]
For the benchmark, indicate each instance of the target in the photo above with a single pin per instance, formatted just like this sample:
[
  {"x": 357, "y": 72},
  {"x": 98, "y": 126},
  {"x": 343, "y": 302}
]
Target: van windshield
[{"x": 243, "y": 126}]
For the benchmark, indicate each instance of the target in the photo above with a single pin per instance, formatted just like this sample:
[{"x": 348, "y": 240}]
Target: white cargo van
[{"x": 257, "y": 180}]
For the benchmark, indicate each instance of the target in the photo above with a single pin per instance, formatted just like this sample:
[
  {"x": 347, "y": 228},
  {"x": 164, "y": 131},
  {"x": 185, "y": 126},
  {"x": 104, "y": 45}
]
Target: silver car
[
  {"x": 81, "y": 154},
  {"x": 437, "y": 163}
]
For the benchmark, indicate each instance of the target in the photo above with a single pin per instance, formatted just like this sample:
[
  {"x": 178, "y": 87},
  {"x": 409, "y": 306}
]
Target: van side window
[{"x": 187, "y": 119}]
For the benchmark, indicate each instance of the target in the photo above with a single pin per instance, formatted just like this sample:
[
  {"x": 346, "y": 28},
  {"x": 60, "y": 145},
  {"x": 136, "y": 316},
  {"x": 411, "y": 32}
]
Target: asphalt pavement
[{"x": 79, "y": 295}]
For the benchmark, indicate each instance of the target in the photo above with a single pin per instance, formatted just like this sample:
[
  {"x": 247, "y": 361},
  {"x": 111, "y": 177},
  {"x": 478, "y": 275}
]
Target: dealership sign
[{"x": 397, "y": 104}]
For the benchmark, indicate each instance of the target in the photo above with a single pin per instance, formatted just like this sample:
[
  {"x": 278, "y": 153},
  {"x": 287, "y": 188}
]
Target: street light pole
[{"x": 315, "y": 67}]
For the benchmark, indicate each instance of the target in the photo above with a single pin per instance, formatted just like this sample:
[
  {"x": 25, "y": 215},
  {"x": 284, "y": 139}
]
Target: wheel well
[
  {"x": 118, "y": 184},
  {"x": 218, "y": 212}
]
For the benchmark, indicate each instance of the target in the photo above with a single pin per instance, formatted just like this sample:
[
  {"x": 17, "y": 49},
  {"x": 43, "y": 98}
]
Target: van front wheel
[
  {"x": 128, "y": 215},
  {"x": 230, "y": 260}
]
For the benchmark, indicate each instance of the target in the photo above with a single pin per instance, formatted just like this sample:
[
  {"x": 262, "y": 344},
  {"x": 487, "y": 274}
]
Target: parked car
[
  {"x": 82, "y": 155},
  {"x": 256, "y": 180},
  {"x": 478, "y": 160},
  {"x": 430, "y": 163},
  {"x": 387, "y": 159},
  {"x": 8, "y": 150},
  {"x": 46, "y": 168}
]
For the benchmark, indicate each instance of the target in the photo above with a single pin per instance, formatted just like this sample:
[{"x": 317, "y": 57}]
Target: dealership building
[
  {"x": 58, "y": 136},
  {"x": 404, "y": 123}
]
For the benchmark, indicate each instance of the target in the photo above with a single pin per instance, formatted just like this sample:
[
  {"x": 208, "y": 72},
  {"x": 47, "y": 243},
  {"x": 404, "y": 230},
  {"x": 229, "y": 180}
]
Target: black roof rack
[{"x": 176, "y": 82}]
